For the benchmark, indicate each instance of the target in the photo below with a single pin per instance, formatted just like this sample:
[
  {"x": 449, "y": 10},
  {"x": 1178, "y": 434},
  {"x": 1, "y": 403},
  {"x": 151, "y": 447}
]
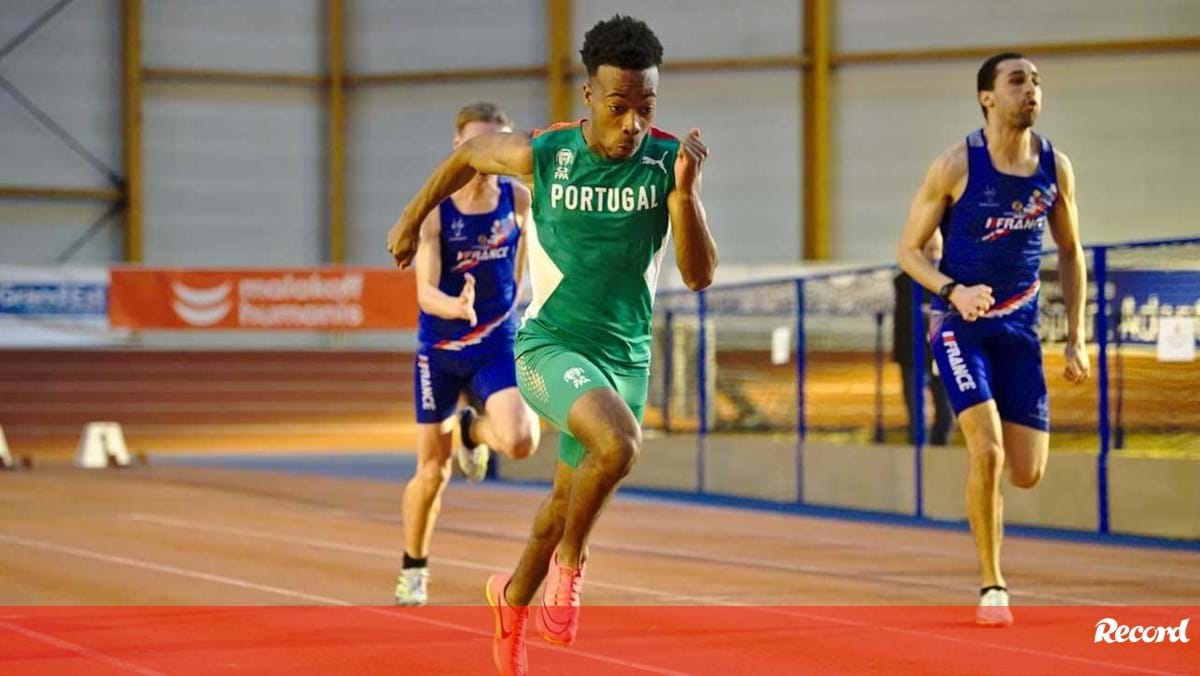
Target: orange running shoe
[
  {"x": 508, "y": 645},
  {"x": 558, "y": 613}
]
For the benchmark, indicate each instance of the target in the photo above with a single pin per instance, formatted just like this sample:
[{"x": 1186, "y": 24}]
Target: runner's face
[
  {"x": 1016, "y": 96},
  {"x": 621, "y": 105}
]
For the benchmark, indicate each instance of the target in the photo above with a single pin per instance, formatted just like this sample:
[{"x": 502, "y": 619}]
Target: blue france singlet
[
  {"x": 484, "y": 245},
  {"x": 993, "y": 233}
]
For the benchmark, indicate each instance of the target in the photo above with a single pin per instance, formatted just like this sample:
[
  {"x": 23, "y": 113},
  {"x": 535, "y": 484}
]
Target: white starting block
[
  {"x": 6, "y": 460},
  {"x": 102, "y": 444}
]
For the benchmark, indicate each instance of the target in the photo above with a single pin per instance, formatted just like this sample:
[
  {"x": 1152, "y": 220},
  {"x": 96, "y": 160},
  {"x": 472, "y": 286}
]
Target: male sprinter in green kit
[{"x": 604, "y": 189}]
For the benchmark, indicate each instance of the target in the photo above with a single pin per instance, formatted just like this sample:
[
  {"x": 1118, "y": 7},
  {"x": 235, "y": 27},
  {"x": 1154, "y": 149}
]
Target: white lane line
[
  {"x": 470, "y": 500},
  {"x": 918, "y": 581},
  {"x": 178, "y": 523},
  {"x": 953, "y": 639},
  {"x": 777, "y": 566},
  {"x": 198, "y": 407},
  {"x": 170, "y": 570},
  {"x": 291, "y": 593},
  {"x": 84, "y": 652},
  {"x": 392, "y": 554},
  {"x": 184, "y": 429}
]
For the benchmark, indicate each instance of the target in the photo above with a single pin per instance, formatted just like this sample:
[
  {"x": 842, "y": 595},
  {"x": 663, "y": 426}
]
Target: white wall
[
  {"x": 262, "y": 35},
  {"x": 868, "y": 25},
  {"x": 447, "y": 34},
  {"x": 1126, "y": 121},
  {"x": 42, "y": 232},
  {"x": 236, "y": 174},
  {"x": 70, "y": 69},
  {"x": 1129, "y": 126},
  {"x": 750, "y": 119},
  {"x": 697, "y": 29},
  {"x": 399, "y": 135},
  {"x": 752, "y": 181}
]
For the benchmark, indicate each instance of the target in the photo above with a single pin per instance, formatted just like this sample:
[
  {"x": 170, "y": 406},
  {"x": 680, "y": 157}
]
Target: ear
[
  {"x": 458, "y": 140},
  {"x": 587, "y": 92},
  {"x": 987, "y": 99}
]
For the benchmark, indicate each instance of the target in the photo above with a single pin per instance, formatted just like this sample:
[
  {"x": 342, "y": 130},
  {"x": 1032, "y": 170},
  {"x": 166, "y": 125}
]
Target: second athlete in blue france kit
[
  {"x": 468, "y": 266},
  {"x": 991, "y": 198}
]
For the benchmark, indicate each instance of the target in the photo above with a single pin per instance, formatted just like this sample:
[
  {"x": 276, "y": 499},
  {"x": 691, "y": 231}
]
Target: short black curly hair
[{"x": 622, "y": 41}]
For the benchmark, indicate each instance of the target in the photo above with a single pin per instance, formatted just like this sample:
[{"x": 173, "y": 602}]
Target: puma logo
[{"x": 660, "y": 163}]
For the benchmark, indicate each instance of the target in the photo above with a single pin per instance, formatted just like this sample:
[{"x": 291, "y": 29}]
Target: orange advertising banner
[{"x": 340, "y": 298}]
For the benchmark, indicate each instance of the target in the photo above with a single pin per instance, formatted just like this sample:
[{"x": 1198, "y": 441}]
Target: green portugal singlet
[{"x": 600, "y": 230}]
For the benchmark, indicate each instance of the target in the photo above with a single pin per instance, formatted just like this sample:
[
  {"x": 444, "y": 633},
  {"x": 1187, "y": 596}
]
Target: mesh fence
[
  {"x": 835, "y": 371},
  {"x": 852, "y": 389},
  {"x": 1154, "y": 306},
  {"x": 754, "y": 343},
  {"x": 672, "y": 403}
]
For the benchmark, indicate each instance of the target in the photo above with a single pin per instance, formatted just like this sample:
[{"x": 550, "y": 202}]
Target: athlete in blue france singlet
[
  {"x": 452, "y": 354},
  {"x": 993, "y": 235},
  {"x": 988, "y": 202},
  {"x": 468, "y": 264}
]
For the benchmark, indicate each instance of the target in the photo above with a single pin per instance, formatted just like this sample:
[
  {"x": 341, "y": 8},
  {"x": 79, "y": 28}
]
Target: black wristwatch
[{"x": 945, "y": 291}]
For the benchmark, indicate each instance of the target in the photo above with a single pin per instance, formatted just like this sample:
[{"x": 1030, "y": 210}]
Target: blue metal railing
[
  {"x": 1100, "y": 272},
  {"x": 1103, "y": 327},
  {"x": 917, "y": 396}
]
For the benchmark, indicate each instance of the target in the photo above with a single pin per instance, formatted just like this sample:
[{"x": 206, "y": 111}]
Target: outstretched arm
[
  {"x": 695, "y": 250},
  {"x": 497, "y": 153}
]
